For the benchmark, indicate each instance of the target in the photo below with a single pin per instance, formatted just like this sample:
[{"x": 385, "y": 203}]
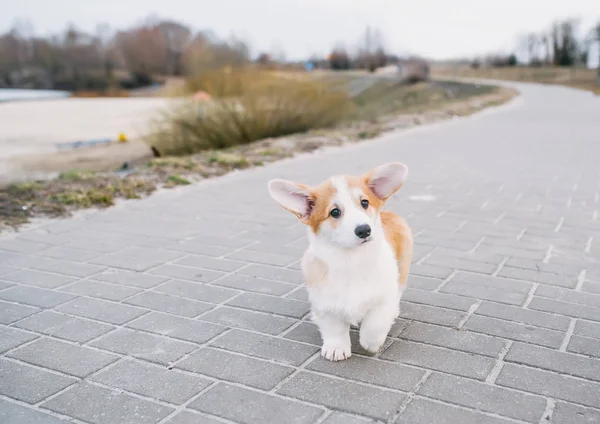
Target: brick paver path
[{"x": 188, "y": 307}]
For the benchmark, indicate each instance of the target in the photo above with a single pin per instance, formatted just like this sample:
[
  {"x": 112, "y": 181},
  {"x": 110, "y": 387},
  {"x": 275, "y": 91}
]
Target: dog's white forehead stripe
[{"x": 343, "y": 196}]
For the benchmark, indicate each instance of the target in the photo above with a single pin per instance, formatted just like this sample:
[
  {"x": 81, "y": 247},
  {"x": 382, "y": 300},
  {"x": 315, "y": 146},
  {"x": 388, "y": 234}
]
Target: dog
[{"x": 358, "y": 259}]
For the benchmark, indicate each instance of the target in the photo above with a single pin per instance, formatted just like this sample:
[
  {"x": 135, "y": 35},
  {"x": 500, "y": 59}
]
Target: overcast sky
[{"x": 434, "y": 28}]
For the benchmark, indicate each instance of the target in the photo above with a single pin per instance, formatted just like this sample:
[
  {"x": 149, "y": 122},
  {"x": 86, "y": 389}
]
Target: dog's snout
[{"x": 363, "y": 231}]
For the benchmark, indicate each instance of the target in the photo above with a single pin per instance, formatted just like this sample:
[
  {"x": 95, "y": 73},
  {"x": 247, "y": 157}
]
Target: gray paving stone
[
  {"x": 554, "y": 268},
  {"x": 503, "y": 290},
  {"x": 12, "y": 337},
  {"x": 550, "y": 359},
  {"x": 567, "y": 413},
  {"x": 29, "y": 384},
  {"x": 423, "y": 283},
  {"x": 35, "y": 296},
  {"x": 128, "y": 262},
  {"x": 254, "y": 284},
  {"x": 262, "y": 258},
  {"x": 431, "y": 271},
  {"x": 571, "y": 296},
  {"x": 426, "y": 411},
  {"x": 591, "y": 287},
  {"x": 524, "y": 316},
  {"x": 298, "y": 294},
  {"x": 129, "y": 278},
  {"x": 113, "y": 313},
  {"x": 550, "y": 384},
  {"x": 462, "y": 264},
  {"x": 587, "y": 329},
  {"x": 74, "y": 269},
  {"x": 453, "y": 339},
  {"x": 152, "y": 254},
  {"x": 177, "y": 327},
  {"x": 38, "y": 279},
  {"x": 340, "y": 418},
  {"x": 273, "y": 273},
  {"x": 67, "y": 358},
  {"x": 558, "y": 307},
  {"x": 207, "y": 262},
  {"x": 201, "y": 248},
  {"x": 11, "y": 312},
  {"x": 232, "y": 317},
  {"x": 61, "y": 252},
  {"x": 101, "y": 290},
  {"x": 442, "y": 300},
  {"x": 306, "y": 332},
  {"x": 266, "y": 347},
  {"x": 436, "y": 358},
  {"x": 276, "y": 305},
  {"x": 22, "y": 246},
  {"x": 187, "y": 273},
  {"x": 538, "y": 276},
  {"x": 14, "y": 413},
  {"x": 144, "y": 346},
  {"x": 343, "y": 395},
  {"x": 103, "y": 406},
  {"x": 7, "y": 269},
  {"x": 198, "y": 291},
  {"x": 367, "y": 370},
  {"x": 514, "y": 331},
  {"x": 16, "y": 260},
  {"x": 251, "y": 407},
  {"x": 484, "y": 397},
  {"x": 187, "y": 417},
  {"x": 100, "y": 246},
  {"x": 430, "y": 314},
  {"x": 152, "y": 381},
  {"x": 64, "y": 326},
  {"x": 584, "y": 346},
  {"x": 238, "y": 369},
  {"x": 172, "y": 304}
]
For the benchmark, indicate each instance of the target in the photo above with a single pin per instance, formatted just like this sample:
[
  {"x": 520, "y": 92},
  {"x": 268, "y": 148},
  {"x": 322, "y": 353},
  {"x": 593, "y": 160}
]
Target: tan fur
[
  {"x": 315, "y": 270},
  {"x": 399, "y": 235},
  {"x": 322, "y": 198}
]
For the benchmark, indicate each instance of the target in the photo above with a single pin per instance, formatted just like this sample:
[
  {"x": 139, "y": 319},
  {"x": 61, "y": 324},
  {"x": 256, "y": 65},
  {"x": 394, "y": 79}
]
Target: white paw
[
  {"x": 371, "y": 344},
  {"x": 335, "y": 353}
]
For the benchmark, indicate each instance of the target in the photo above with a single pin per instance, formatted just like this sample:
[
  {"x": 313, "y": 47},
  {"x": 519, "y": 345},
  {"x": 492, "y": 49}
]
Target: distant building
[{"x": 413, "y": 70}]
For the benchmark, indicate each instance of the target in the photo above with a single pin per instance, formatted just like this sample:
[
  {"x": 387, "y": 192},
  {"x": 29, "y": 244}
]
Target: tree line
[
  {"x": 564, "y": 43},
  {"x": 105, "y": 58}
]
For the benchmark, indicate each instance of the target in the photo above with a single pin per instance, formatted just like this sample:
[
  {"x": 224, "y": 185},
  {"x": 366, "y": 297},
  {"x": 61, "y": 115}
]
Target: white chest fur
[{"x": 357, "y": 280}]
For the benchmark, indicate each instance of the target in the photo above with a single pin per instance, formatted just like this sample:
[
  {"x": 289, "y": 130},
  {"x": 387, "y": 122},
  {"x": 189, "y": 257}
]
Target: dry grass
[
  {"x": 69, "y": 191},
  {"x": 582, "y": 78},
  {"x": 388, "y": 97},
  {"x": 247, "y": 105}
]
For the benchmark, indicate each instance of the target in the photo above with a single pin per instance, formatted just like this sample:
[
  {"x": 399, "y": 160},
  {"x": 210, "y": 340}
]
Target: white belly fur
[{"x": 357, "y": 281}]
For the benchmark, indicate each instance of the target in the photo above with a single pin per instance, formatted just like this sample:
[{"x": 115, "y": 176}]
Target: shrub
[{"x": 248, "y": 105}]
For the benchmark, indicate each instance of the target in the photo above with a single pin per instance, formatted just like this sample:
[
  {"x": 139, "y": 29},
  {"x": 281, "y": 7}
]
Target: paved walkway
[{"x": 187, "y": 307}]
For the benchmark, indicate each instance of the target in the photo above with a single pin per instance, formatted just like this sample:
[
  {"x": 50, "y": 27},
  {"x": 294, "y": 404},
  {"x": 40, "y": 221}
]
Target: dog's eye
[
  {"x": 335, "y": 213},
  {"x": 364, "y": 203}
]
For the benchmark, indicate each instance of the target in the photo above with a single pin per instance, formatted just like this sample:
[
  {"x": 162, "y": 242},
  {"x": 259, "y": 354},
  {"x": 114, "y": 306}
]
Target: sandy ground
[
  {"x": 31, "y": 127},
  {"x": 31, "y": 130}
]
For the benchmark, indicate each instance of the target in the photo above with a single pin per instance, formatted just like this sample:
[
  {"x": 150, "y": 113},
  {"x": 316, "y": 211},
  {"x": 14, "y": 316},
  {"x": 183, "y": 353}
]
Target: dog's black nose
[{"x": 363, "y": 231}]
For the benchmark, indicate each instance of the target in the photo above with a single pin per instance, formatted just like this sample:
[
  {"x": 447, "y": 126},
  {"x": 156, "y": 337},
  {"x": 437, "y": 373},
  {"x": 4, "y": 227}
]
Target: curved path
[{"x": 187, "y": 307}]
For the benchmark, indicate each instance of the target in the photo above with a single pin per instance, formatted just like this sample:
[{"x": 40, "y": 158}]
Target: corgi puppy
[{"x": 359, "y": 256}]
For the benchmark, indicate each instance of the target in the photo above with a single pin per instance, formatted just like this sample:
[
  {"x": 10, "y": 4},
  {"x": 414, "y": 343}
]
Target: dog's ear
[
  {"x": 296, "y": 198},
  {"x": 386, "y": 179}
]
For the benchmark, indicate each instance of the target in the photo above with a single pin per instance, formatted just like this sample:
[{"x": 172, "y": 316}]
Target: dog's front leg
[
  {"x": 335, "y": 333},
  {"x": 376, "y": 325}
]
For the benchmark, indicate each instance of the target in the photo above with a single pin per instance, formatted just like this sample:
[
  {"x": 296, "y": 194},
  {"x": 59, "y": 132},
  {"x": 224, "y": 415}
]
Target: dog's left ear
[{"x": 386, "y": 179}]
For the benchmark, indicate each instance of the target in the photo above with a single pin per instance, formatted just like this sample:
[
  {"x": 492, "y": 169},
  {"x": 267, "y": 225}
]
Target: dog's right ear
[{"x": 296, "y": 198}]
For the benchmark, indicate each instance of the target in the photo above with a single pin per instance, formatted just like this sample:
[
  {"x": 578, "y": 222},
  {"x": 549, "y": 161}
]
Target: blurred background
[{"x": 138, "y": 94}]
